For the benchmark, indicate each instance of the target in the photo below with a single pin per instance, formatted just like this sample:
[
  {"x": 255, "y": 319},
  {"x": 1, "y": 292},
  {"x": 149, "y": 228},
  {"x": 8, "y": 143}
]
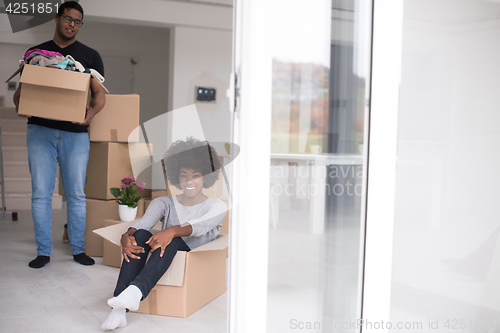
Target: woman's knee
[{"x": 141, "y": 236}]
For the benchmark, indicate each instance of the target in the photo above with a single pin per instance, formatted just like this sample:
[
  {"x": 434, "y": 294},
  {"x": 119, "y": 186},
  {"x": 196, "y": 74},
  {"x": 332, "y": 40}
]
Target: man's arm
[
  {"x": 97, "y": 102},
  {"x": 17, "y": 95}
]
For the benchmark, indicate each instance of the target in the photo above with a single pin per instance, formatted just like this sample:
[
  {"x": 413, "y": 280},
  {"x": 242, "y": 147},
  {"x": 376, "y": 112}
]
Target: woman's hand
[
  {"x": 129, "y": 247},
  {"x": 161, "y": 240}
]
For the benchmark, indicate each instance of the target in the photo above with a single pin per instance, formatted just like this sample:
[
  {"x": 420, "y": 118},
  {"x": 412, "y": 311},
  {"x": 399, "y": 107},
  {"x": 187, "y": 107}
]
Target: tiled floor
[{"x": 65, "y": 296}]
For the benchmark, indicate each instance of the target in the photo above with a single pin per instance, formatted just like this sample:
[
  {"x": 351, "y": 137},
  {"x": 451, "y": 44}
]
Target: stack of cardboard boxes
[
  {"x": 64, "y": 95},
  {"x": 109, "y": 162}
]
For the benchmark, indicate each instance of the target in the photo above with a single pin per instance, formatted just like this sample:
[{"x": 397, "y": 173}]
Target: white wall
[
  {"x": 203, "y": 58},
  {"x": 200, "y": 57},
  {"x": 27, "y": 37},
  {"x": 10, "y": 55},
  {"x": 148, "y": 46},
  {"x": 447, "y": 192}
]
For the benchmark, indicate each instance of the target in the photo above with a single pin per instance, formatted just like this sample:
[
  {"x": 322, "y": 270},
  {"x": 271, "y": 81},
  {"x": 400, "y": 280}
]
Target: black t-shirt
[{"x": 89, "y": 58}]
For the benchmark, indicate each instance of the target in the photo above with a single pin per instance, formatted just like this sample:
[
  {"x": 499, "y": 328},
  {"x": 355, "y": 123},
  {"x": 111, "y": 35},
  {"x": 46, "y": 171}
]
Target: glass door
[
  {"x": 302, "y": 73},
  {"x": 321, "y": 72}
]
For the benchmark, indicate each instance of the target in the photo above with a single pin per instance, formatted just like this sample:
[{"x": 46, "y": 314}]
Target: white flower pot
[{"x": 126, "y": 213}]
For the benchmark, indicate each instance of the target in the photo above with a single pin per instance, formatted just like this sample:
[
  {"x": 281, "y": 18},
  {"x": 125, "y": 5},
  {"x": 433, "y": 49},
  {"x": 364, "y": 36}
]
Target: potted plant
[{"x": 127, "y": 197}]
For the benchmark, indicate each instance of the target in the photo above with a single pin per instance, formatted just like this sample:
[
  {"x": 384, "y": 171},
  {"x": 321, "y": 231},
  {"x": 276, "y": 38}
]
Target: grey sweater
[{"x": 205, "y": 218}]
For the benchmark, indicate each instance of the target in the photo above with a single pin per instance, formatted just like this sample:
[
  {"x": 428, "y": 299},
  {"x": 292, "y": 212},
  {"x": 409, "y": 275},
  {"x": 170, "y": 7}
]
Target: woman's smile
[{"x": 191, "y": 182}]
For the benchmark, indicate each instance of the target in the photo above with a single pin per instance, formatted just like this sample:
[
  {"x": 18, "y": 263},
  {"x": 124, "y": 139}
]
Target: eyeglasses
[{"x": 69, "y": 19}]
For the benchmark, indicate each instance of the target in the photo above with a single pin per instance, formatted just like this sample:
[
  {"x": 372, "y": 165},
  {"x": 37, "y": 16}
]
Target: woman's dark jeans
[{"x": 144, "y": 275}]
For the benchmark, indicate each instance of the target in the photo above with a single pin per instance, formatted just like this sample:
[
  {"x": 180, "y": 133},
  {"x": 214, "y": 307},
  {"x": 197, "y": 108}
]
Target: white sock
[
  {"x": 116, "y": 318},
  {"x": 128, "y": 299}
]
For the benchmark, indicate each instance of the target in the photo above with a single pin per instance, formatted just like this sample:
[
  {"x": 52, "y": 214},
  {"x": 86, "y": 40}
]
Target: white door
[{"x": 433, "y": 245}]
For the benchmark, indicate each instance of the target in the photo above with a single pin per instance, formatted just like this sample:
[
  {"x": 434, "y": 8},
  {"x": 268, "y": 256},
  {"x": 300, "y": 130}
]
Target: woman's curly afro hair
[{"x": 192, "y": 154}]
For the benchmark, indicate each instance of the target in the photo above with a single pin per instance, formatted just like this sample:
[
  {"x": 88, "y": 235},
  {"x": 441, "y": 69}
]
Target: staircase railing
[{"x": 5, "y": 214}]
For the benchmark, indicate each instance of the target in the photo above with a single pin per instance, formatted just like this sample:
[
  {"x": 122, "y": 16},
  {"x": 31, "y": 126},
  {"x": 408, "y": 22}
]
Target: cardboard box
[
  {"x": 158, "y": 193},
  {"x": 109, "y": 163},
  {"x": 117, "y": 120},
  {"x": 204, "y": 279},
  {"x": 97, "y": 212},
  {"x": 225, "y": 223},
  {"x": 53, "y": 93},
  {"x": 111, "y": 253},
  {"x": 146, "y": 193},
  {"x": 193, "y": 279}
]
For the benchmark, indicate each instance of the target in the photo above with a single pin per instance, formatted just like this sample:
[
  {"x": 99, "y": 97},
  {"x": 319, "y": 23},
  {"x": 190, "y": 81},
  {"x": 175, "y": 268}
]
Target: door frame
[
  {"x": 251, "y": 131},
  {"x": 387, "y": 28}
]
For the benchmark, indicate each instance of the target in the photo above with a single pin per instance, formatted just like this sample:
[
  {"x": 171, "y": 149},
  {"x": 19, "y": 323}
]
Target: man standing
[{"x": 51, "y": 141}]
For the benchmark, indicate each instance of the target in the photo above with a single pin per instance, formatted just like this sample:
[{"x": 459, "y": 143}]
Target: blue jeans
[
  {"x": 46, "y": 146},
  {"x": 145, "y": 275}
]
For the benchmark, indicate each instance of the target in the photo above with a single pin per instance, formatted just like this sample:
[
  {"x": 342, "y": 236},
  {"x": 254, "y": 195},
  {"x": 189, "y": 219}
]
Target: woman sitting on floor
[{"x": 188, "y": 220}]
